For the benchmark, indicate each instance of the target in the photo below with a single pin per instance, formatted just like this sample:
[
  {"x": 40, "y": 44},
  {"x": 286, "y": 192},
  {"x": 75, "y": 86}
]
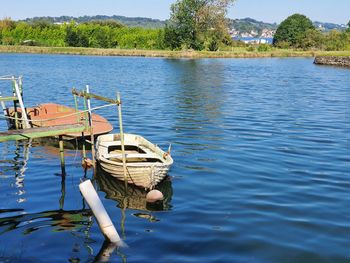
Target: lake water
[{"x": 261, "y": 173}]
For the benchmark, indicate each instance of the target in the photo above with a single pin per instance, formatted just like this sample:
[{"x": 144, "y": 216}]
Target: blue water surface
[{"x": 261, "y": 172}]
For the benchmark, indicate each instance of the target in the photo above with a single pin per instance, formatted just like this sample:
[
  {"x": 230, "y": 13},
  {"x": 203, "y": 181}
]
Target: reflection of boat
[
  {"x": 52, "y": 114},
  {"x": 132, "y": 197},
  {"x": 146, "y": 163}
]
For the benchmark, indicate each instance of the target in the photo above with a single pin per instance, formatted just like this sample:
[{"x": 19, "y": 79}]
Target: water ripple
[{"x": 261, "y": 172}]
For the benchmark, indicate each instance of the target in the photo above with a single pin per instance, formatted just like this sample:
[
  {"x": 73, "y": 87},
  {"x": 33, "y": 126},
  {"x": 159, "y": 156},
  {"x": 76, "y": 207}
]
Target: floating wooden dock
[
  {"x": 54, "y": 120},
  {"x": 31, "y": 133}
]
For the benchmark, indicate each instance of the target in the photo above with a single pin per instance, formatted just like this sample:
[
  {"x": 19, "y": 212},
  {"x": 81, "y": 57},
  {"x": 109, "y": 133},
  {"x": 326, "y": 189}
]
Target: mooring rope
[{"x": 61, "y": 117}]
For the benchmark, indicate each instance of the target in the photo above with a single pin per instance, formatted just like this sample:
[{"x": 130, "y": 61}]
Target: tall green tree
[
  {"x": 197, "y": 24},
  {"x": 293, "y": 30}
]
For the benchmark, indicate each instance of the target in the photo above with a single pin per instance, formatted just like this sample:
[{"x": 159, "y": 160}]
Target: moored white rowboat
[{"x": 146, "y": 163}]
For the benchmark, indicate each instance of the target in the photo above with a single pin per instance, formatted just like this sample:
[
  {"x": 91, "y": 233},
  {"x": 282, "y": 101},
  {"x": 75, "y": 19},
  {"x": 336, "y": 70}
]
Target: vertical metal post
[
  {"x": 84, "y": 145},
  {"x": 86, "y": 114},
  {"x": 91, "y": 129},
  {"x": 78, "y": 120},
  {"x": 122, "y": 139},
  {"x": 76, "y": 107},
  {"x": 61, "y": 146},
  {"x": 6, "y": 113},
  {"x": 20, "y": 83},
  {"x": 19, "y": 97},
  {"x": 15, "y": 105}
]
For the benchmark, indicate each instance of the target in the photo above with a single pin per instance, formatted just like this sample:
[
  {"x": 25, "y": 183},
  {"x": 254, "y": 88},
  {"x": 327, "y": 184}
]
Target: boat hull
[
  {"x": 141, "y": 176},
  {"x": 144, "y": 169}
]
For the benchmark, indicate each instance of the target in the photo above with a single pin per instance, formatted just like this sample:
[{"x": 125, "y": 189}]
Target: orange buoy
[{"x": 154, "y": 196}]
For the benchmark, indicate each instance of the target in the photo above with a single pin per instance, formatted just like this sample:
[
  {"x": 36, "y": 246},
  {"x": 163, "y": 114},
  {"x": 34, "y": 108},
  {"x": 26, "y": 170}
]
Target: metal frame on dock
[
  {"x": 28, "y": 132},
  {"x": 87, "y": 96}
]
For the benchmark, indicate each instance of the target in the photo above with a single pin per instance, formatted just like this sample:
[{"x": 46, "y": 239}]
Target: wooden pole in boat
[
  {"x": 122, "y": 138},
  {"x": 91, "y": 130},
  {"x": 60, "y": 143}
]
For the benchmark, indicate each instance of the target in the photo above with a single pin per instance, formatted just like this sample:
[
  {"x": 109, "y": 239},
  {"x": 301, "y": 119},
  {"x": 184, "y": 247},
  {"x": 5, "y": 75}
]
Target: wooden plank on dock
[
  {"x": 8, "y": 98},
  {"x": 93, "y": 96},
  {"x": 15, "y": 135}
]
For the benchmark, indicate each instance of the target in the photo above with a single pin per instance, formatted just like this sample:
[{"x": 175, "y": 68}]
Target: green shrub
[
  {"x": 283, "y": 45},
  {"x": 264, "y": 47},
  {"x": 336, "y": 40},
  {"x": 250, "y": 48}
]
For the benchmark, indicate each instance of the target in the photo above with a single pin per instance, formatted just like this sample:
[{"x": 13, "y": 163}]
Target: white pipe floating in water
[{"x": 100, "y": 213}]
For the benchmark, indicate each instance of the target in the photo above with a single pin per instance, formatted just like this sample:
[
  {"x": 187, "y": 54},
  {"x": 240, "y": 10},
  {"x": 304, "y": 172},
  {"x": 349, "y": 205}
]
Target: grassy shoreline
[{"x": 235, "y": 53}]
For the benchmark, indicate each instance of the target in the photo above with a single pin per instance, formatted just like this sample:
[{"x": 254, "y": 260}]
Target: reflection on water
[
  {"x": 260, "y": 148},
  {"x": 197, "y": 114},
  {"x": 201, "y": 89},
  {"x": 77, "y": 222},
  {"x": 106, "y": 251},
  {"x": 57, "y": 220},
  {"x": 16, "y": 161},
  {"x": 133, "y": 197},
  {"x": 52, "y": 147},
  {"x": 199, "y": 96}
]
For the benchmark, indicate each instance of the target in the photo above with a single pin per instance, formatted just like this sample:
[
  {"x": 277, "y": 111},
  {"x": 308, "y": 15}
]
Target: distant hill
[
  {"x": 329, "y": 26},
  {"x": 239, "y": 27},
  {"x": 248, "y": 27},
  {"x": 249, "y": 24}
]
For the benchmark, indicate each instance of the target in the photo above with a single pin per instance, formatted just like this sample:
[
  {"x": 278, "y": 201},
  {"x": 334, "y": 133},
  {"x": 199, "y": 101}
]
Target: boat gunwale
[
  {"x": 166, "y": 162},
  {"x": 135, "y": 164}
]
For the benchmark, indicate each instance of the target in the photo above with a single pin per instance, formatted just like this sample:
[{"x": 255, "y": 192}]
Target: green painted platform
[{"x": 31, "y": 133}]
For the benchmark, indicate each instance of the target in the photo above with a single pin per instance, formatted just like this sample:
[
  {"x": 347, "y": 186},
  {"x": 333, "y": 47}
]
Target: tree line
[
  {"x": 95, "y": 34},
  {"x": 193, "y": 24}
]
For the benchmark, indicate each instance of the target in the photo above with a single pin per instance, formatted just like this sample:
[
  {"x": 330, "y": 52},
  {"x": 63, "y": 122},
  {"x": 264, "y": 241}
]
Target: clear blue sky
[{"x": 335, "y": 11}]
